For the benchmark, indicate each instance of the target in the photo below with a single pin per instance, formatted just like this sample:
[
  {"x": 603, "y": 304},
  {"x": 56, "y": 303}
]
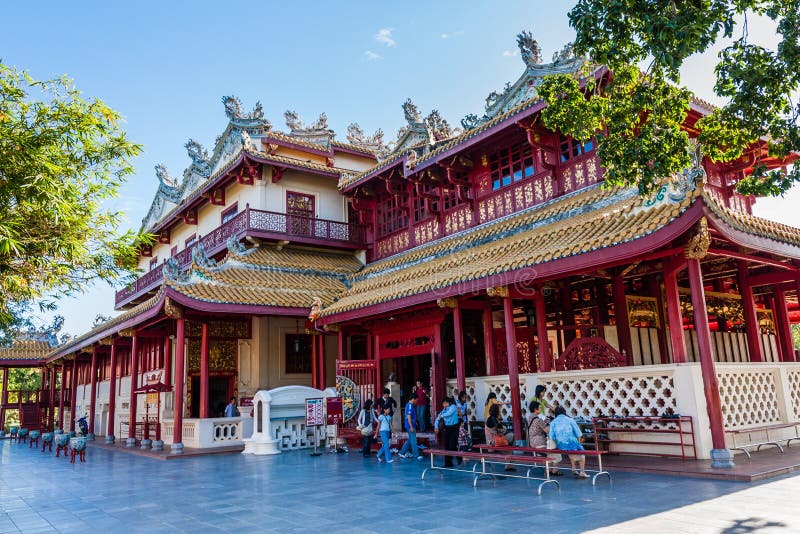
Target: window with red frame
[
  {"x": 450, "y": 197},
  {"x": 298, "y": 353},
  {"x": 230, "y": 213},
  {"x": 153, "y": 263},
  {"x": 391, "y": 214},
  {"x": 571, "y": 148},
  {"x": 423, "y": 208},
  {"x": 511, "y": 164}
]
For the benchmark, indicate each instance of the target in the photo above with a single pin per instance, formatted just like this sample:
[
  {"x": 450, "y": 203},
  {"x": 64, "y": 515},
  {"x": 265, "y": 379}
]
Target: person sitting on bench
[
  {"x": 568, "y": 437},
  {"x": 538, "y": 428}
]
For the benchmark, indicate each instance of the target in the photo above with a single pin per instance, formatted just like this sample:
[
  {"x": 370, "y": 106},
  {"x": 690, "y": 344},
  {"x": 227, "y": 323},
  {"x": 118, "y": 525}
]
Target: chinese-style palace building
[{"x": 486, "y": 259}]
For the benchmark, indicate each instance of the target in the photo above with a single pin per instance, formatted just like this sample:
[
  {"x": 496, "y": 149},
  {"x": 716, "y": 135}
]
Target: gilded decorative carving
[
  {"x": 448, "y": 302},
  {"x": 697, "y": 247},
  {"x": 497, "y": 291},
  {"x": 221, "y": 355},
  {"x": 127, "y": 332},
  {"x": 331, "y": 327},
  {"x": 106, "y": 341},
  {"x": 172, "y": 309}
]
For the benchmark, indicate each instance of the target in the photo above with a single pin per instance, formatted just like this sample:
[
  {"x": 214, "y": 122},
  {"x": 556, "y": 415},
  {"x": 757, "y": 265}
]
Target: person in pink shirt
[{"x": 422, "y": 404}]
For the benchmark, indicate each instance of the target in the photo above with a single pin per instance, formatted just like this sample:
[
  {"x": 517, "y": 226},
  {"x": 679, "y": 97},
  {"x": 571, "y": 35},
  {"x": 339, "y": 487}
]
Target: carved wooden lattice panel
[
  {"x": 589, "y": 353},
  {"x": 626, "y": 396},
  {"x": 794, "y": 392},
  {"x": 748, "y": 398}
]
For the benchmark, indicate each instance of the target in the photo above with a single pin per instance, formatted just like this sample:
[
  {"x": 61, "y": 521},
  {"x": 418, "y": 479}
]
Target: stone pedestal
[
  {"x": 158, "y": 445},
  {"x": 722, "y": 458},
  {"x": 90, "y": 436},
  {"x": 146, "y": 444},
  {"x": 130, "y": 443},
  {"x": 110, "y": 439},
  {"x": 176, "y": 448}
]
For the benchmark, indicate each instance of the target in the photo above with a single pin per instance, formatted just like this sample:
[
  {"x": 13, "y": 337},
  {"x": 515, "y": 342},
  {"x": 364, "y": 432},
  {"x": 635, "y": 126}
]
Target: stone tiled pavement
[{"x": 293, "y": 492}]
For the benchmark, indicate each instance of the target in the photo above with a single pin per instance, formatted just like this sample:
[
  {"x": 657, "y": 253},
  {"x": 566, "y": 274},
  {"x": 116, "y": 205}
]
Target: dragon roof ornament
[
  {"x": 199, "y": 156},
  {"x": 234, "y": 112},
  {"x": 357, "y": 137},
  {"x": 172, "y": 271},
  {"x": 167, "y": 186},
  {"x": 200, "y": 257},
  {"x": 316, "y": 132},
  {"x": 497, "y": 102}
]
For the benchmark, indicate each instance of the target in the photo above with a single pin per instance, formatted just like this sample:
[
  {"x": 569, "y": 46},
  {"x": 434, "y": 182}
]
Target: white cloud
[
  {"x": 384, "y": 36},
  {"x": 452, "y": 34},
  {"x": 509, "y": 53},
  {"x": 372, "y": 56}
]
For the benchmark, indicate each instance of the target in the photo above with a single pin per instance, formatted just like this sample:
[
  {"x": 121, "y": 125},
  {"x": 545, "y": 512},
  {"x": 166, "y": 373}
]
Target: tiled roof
[
  {"x": 592, "y": 219},
  {"x": 753, "y": 225},
  {"x": 265, "y": 276},
  {"x": 356, "y": 148},
  {"x": 26, "y": 350},
  {"x": 108, "y": 327},
  {"x": 348, "y": 181}
]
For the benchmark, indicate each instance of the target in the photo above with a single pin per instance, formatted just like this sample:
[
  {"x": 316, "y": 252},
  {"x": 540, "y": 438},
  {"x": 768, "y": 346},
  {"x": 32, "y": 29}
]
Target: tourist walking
[
  {"x": 385, "y": 429},
  {"x": 387, "y": 401},
  {"x": 422, "y": 405},
  {"x": 538, "y": 430},
  {"x": 366, "y": 421},
  {"x": 568, "y": 437},
  {"x": 231, "y": 410},
  {"x": 463, "y": 430},
  {"x": 410, "y": 422},
  {"x": 447, "y": 431}
]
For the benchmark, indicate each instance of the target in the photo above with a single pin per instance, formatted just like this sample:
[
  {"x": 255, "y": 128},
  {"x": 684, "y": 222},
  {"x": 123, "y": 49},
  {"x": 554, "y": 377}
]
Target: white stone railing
[{"x": 209, "y": 433}]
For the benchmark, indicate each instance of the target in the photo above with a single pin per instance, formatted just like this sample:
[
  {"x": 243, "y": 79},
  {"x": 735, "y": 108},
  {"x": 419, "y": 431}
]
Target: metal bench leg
[
  {"x": 594, "y": 478},
  {"x": 549, "y": 481}
]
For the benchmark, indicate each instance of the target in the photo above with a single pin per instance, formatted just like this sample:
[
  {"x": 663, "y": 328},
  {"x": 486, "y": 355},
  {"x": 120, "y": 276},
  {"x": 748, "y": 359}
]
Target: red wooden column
[
  {"x": 784, "y": 326},
  {"x": 513, "y": 366},
  {"x": 61, "y": 395},
  {"x": 93, "y": 390},
  {"x": 321, "y": 358},
  {"x": 674, "y": 316},
  {"x": 112, "y": 396},
  {"x": 131, "y": 441},
  {"x": 314, "y": 364},
  {"x": 720, "y": 455},
  {"x": 545, "y": 358},
  {"x": 750, "y": 317},
  {"x": 340, "y": 343},
  {"x": 4, "y": 399},
  {"x": 621, "y": 318},
  {"x": 458, "y": 331},
  {"x": 73, "y": 401},
  {"x": 180, "y": 362},
  {"x": 488, "y": 339},
  {"x": 166, "y": 360},
  {"x": 52, "y": 414},
  {"x": 204, "y": 371}
]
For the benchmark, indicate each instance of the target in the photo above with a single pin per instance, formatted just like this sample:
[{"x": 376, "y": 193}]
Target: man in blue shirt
[
  {"x": 231, "y": 410},
  {"x": 410, "y": 422},
  {"x": 448, "y": 418}
]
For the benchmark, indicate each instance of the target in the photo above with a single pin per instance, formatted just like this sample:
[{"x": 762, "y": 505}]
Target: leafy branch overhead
[
  {"x": 637, "y": 116},
  {"x": 61, "y": 157}
]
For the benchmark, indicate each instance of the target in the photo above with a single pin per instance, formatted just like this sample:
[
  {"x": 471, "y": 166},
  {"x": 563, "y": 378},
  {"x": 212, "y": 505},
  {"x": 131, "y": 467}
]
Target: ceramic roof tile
[{"x": 26, "y": 350}]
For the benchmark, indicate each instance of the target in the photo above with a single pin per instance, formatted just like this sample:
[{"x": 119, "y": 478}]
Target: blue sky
[{"x": 165, "y": 66}]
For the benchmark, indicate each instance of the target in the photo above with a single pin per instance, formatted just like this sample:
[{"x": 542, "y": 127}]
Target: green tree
[
  {"x": 61, "y": 157},
  {"x": 637, "y": 115}
]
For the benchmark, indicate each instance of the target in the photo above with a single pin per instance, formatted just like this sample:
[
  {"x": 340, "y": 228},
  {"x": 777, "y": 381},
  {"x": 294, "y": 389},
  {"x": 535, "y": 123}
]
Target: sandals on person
[
  {"x": 556, "y": 474},
  {"x": 584, "y": 475}
]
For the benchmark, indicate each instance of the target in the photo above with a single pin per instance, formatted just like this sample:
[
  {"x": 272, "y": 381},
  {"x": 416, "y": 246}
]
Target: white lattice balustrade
[
  {"x": 794, "y": 392},
  {"x": 639, "y": 395},
  {"x": 748, "y": 397},
  {"x": 471, "y": 400}
]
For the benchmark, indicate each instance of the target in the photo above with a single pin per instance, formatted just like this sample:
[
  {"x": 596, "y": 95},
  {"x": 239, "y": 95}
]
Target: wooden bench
[
  {"x": 535, "y": 450},
  {"x": 768, "y": 441},
  {"x": 485, "y": 461}
]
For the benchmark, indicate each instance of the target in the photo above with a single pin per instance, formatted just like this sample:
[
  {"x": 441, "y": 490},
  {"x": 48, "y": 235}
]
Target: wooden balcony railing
[{"x": 256, "y": 223}]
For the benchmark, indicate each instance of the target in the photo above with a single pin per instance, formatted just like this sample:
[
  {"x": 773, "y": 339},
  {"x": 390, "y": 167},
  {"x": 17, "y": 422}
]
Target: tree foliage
[
  {"x": 61, "y": 157},
  {"x": 637, "y": 117}
]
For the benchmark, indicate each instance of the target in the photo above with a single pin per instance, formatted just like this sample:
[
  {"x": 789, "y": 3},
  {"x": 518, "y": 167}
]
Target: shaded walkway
[{"x": 334, "y": 493}]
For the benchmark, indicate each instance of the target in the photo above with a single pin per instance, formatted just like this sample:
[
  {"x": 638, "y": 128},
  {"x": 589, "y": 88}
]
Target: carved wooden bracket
[
  {"x": 497, "y": 291},
  {"x": 127, "y": 332},
  {"x": 172, "y": 309},
  {"x": 331, "y": 327},
  {"x": 106, "y": 341},
  {"x": 164, "y": 236},
  {"x": 697, "y": 246},
  {"x": 448, "y": 302}
]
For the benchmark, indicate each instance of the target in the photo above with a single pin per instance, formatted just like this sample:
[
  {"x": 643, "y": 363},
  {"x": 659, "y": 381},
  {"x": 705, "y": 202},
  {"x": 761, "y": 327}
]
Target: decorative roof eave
[
  {"x": 226, "y": 307},
  {"x": 748, "y": 239},
  {"x": 127, "y": 320},
  {"x": 375, "y": 171},
  {"x": 338, "y": 146},
  {"x": 20, "y": 362},
  {"x": 587, "y": 261},
  {"x": 288, "y": 141}
]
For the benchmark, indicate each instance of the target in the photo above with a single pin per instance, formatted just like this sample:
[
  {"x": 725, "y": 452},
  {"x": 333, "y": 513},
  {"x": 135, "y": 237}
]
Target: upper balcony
[{"x": 259, "y": 224}]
